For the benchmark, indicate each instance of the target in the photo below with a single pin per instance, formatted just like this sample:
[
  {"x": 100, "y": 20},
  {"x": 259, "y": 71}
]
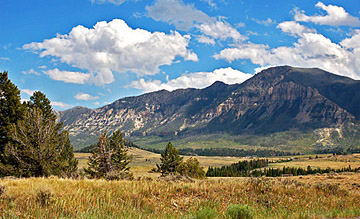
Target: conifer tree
[
  {"x": 11, "y": 111},
  {"x": 109, "y": 159},
  {"x": 35, "y": 144},
  {"x": 170, "y": 160},
  {"x": 38, "y": 148}
]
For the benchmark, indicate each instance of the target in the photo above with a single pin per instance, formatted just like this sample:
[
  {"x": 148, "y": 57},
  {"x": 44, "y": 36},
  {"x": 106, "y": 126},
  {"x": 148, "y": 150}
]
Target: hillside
[{"x": 276, "y": 100}]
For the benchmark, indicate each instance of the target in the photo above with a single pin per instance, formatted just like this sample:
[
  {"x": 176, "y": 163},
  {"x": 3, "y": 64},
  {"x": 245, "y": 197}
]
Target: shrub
[
  {"x": 119, "y": 175},
  {"x": 238, "y": 211},
  {"x": 191, "y": 168},
  {"x": 44, "y": 196},
  {"x": 206, "y": 213}
]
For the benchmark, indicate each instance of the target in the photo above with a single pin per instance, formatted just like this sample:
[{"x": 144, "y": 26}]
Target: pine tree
[
  {"x": 170, "y": 160},
  {"x": 66, "y": 163},
  {"x": 120, "y": 159},
  {"x": 40, "y": 101},
  {"x": 11, "y": 111},
  {"x": 38, "y": 148},
  {"x": 109, "y": 159}
]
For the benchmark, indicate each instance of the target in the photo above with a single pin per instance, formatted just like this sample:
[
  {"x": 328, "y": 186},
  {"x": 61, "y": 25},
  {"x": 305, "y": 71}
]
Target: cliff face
[{"x": 276, "y": 99}]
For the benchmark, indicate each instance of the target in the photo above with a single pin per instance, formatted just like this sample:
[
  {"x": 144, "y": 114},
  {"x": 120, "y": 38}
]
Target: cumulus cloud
[
  {"x": 186, "y": 16},
  {"x": 353, "y": 42},
  {"x": 206, "y": 40},
  {"x": 193, "y": 80},
  {"x": 27, "y": 91},
  {"x": 116, "y": 2},
  {"x": 220, "y": 30},
  {"x": 183, "y": 16},
  {"x": 60, "y": 104},
  {"x": 114, "y": 47},
  {"x": 31, "y": 71},
  {"x": 86, "y": 97},
  {"x": 310, "y": 50},
  {"x": 68, "y": 76},
  {"x": 336, "y": 16},
  {"x": 295, "y": 29}
]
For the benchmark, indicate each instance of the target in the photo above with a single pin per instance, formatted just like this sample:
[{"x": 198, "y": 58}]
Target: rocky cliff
[{"x": 276, "y": 99}]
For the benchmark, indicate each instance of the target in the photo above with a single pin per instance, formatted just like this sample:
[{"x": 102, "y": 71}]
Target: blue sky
[{"x": 93, "y": 52}]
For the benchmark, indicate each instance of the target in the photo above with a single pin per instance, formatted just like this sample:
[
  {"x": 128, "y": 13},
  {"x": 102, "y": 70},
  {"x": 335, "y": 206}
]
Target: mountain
[{"x": 275, "y": 100}]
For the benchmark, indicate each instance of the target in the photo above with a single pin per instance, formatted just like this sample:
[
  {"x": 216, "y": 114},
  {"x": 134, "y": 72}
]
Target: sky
[{"x": 93, "y": 52}]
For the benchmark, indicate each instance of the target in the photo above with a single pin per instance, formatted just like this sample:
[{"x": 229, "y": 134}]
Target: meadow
[{"x": 150, "y": 196}]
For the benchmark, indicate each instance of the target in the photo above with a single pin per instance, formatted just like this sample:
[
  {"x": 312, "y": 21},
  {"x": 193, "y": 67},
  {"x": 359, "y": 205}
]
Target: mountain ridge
[{"x": 276, "y": 99}]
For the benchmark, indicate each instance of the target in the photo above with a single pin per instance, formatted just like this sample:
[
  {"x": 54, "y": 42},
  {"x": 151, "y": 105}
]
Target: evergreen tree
[
  {"x": 38, "y": 149},
  {"x": 40, "y": 101},
  {"x": 170, "y": 160},
  {"x": 66, "y": 163},
  {"x": 11, "y": 109},
  {"x": 109, "y": 159},
  {"x": 35, "y": 144}
]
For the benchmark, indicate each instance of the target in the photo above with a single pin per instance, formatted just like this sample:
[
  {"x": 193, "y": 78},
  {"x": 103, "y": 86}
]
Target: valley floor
[
  {"x": 317, "y": 196},
  {"x": 150, "y": 196}
]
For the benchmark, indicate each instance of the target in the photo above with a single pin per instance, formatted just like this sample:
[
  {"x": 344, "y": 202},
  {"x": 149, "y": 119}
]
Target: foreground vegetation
[{"x": 323, "y": 196}]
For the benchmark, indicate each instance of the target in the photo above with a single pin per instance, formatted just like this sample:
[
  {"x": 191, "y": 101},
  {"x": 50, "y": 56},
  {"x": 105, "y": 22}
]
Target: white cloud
[
  {"x": 84, "y": 96},
  {"x": 311, "y": 50},
  {"x": 43, "y": 67},
  {"x": 205, "y": 39},
  {"x": 353, "y": 42},
  {"x": 68, "y": 76},
  {"x": 220, "y": 30},
  {"x": 183, "y": 16},
  {"x": 266, "y": 22},
  {"x": 115, "y": 47},
  {"x": 60, "y": 104},
  {"x": 116, "y": 2},
  {"x": 186, "y": 16},
  {"x": 27, "y": 91},
  {"x": 193, "y": 80},
  {"x": 294, "y": 28},
  {"x": 31, "y": 71},
  {"x": 336, "y": 16}
]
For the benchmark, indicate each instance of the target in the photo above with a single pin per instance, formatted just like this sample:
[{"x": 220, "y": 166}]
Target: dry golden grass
[
  {"x": 325, "y": 196},
  {"x": 144, "y": 161},
  {"x": 323, "y": 161}
]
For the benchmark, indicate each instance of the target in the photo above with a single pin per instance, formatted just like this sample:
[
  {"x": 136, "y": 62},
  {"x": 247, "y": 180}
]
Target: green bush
[
  {"x": 238, "y": 211},
  {"x": 191, "y": 167},
  {"x": 206, "y": 213}
]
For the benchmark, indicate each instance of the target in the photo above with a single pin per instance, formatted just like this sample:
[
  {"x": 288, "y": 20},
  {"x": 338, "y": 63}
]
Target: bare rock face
[{"x": 276, "y": 99}]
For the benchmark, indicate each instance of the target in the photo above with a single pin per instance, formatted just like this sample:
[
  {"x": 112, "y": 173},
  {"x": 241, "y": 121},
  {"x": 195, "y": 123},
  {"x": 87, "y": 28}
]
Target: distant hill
[{"x": 278, "y": 99}]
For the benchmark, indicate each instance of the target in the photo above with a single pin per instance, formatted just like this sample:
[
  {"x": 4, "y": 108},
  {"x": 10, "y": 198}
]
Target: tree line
[
  {"x": 240, "y": 169},
  {"x": 229, "y": 152},
  {"x": 257, "y": 168}
]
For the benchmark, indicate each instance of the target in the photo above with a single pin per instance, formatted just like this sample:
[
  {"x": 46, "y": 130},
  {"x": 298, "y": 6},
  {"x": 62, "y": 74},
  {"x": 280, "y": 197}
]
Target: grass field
[
  {"x": 325, "y": 196},
  {"x": 144, "y": 161},
  {"x": 150, "y": 196}
]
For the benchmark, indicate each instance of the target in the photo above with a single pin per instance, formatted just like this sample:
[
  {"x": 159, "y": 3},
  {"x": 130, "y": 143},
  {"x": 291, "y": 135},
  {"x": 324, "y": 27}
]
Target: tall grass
[{"x": 154, "y": 198}]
